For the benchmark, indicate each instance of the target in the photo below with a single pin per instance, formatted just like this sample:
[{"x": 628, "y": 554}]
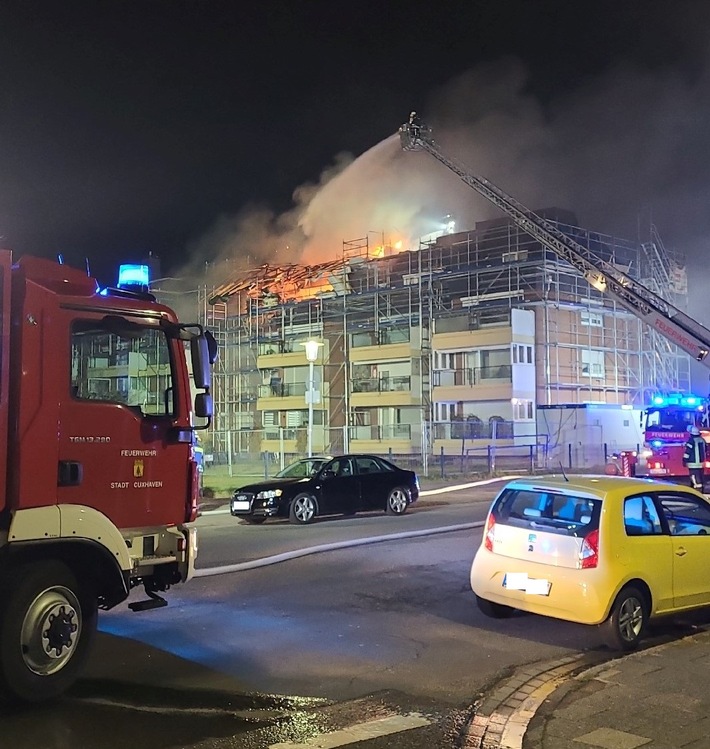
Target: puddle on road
[{"x": 110, "y": 715}]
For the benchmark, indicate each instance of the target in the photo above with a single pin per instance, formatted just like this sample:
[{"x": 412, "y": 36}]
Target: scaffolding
[{"x": 588, "y": 349}]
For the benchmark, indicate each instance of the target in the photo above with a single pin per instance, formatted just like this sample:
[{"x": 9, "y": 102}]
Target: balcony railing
[
  {"x": 471, "y": 376},
  {"x": 381, "y": 433},
  {"x": 282, "y": 389},
  {"x": 471, "y": 430},
  {"x": 401, "y": 383},
  {"x": 383, "y": 337}
]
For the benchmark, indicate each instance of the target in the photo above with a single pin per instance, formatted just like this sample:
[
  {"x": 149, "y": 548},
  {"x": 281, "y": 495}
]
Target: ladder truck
[{"x": 661, "y": 455}]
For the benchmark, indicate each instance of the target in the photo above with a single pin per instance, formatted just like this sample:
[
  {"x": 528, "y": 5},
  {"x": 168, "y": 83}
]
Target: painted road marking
[{"x": 360, "y": 732}]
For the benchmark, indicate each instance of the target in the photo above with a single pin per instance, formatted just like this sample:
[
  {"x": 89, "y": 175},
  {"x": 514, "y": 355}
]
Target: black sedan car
[{"x": 326, "y": 486}]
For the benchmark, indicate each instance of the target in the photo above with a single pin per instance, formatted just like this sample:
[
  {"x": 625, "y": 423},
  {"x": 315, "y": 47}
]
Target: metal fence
[{"x": 468, "y": 456}]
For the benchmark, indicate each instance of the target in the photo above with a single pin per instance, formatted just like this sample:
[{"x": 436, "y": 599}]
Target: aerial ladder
[{"x": 688, "y": 334}]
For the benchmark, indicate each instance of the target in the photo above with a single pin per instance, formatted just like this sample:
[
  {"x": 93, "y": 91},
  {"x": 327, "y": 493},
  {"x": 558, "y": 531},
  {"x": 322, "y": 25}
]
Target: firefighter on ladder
[{"x": 694, "y": 458}]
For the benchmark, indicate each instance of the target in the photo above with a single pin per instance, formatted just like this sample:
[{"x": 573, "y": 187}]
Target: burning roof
[{"x": 286, "y": 283}]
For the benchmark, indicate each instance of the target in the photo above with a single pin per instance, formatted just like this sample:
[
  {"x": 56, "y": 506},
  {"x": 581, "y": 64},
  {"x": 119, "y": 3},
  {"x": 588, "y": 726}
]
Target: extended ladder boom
[{"x": 669, "y": 321}]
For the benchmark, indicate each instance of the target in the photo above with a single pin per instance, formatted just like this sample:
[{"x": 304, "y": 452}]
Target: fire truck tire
[{"x": 47, "y": 625}]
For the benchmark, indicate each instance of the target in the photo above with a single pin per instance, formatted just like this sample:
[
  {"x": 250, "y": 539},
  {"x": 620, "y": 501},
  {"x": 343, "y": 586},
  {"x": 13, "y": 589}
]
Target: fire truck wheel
[{"x": 47, "y": 624}]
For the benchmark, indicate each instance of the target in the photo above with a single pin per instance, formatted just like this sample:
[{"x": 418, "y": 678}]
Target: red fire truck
[
  {"x": 666, "y": 423},
  {"x": 99, "y": 483}
]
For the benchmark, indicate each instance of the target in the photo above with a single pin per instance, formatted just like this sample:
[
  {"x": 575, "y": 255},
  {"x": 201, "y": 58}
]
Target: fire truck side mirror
[
  {"x": 203, "y": 351},
  {"x": 204, "y": 407}
]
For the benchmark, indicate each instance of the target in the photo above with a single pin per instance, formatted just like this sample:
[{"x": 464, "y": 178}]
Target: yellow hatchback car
[{"x": 603, "y": 550}]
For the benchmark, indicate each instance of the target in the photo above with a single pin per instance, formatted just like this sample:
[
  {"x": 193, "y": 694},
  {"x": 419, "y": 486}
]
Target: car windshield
[{"x": 301, "y": 468}]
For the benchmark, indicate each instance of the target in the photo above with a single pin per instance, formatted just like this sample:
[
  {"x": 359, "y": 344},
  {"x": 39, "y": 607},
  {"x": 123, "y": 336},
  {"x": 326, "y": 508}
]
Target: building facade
[{"x": 444, "y": 349}]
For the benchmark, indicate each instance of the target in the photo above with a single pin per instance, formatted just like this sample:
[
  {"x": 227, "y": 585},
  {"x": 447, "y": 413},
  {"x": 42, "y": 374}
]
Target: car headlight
[
  {"x": 269, "y": 494},
  {"x": 646, "y": 453}
]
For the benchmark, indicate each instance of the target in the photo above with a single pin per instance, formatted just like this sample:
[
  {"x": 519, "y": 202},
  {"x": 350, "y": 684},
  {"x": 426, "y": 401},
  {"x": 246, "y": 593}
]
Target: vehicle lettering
[
  {"x": 89, "y": 438},
  {"x": 137, "y": 484},
  {"x": 138, "y": 453}
]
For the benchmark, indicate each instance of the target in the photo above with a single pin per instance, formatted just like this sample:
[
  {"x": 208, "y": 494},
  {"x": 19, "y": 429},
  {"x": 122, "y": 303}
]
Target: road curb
[{"x": 502, "y": 717}]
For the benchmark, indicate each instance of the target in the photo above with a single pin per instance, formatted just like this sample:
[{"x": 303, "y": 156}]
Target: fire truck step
[{"x": 150, "y": 603}]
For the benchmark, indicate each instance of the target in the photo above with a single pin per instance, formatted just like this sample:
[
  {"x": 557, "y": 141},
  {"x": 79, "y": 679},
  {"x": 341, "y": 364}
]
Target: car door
[
  {"x": 645, "y": 550},
  {"x": 339, "y": 487},
  {"x": 688, "y": 519},
  {"x": 375, "y": 482}
]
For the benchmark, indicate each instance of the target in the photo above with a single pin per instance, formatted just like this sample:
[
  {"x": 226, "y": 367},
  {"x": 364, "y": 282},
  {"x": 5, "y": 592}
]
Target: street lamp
[{"x": 312, "y": 396}]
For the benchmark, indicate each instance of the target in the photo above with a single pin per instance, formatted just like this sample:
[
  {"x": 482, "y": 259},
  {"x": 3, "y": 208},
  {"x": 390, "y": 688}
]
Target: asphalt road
[{"x": 383, "y": 634}]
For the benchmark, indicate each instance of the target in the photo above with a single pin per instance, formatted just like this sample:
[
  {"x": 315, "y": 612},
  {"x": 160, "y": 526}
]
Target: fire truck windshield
[{"x": 671, "y": 419}]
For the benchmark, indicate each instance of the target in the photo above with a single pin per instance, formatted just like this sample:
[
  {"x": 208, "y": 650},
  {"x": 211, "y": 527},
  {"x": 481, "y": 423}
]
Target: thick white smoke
[{"x": 623, "y": 149}]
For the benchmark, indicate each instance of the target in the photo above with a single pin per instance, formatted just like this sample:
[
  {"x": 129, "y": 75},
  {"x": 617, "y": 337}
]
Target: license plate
[
  {"x": 529, "y": 585},
  {"x": 658, "y": 471},
  {"x": 240, "y": 504}
]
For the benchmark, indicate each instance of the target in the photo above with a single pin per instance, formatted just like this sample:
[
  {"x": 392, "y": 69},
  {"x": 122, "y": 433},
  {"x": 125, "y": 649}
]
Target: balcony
[
  {"x": 383, "y": 391},
  {"x": 474, "y": 383},
  {"x": 380, "y": 439},
  {"x": 472, "y": 430},
  {"x": 279, "y": 395},
  {"x": 471, "y": 376},
  {"x": 383, "y": 384}
]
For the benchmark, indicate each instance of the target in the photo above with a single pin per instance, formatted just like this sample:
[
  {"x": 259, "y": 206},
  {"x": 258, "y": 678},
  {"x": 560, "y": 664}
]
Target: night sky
[{"x": 198, "y": 130}]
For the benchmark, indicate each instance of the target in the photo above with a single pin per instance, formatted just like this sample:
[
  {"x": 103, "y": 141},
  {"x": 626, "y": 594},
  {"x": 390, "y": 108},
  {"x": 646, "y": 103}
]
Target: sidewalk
[{"x": 658, "y": 698}]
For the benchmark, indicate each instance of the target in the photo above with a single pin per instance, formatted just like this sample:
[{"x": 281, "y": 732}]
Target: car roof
[{"x": 598, "y": 486}]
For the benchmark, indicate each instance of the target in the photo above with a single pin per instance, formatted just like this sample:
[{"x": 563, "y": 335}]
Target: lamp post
[{"x": 311, "y": 347}]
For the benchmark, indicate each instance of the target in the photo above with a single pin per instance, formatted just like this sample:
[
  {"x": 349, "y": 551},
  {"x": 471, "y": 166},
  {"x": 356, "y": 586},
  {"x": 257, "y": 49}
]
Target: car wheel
[
  {"x": 627, "y": 620},
  {"x": 494, "y": 610},
  {"x": 255, "y": 520},
  {"x": 303, "y": 509},
  {"x": 397, "y": 501}
]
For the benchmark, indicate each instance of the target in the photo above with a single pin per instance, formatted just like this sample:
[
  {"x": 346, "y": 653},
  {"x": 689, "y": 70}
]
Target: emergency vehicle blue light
[
  {"x": 656, "y": 443},
  {"x": 658, "y": 400},
  {"x": 133, "y": 275},
  {"x": 691, "y": 400}
]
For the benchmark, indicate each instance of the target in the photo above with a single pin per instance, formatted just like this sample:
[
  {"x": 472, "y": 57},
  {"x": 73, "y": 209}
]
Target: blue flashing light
[
  {"x": 656, "y": 443},
  {"x": 132, "y": 275},
  {"x": 682, "y": 401}
]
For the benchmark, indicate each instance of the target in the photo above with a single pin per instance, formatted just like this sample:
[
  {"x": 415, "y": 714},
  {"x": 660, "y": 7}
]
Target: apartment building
[{"x": 449, "y": 346}]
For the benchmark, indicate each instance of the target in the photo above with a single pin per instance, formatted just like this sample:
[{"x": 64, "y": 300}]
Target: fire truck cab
[
  {"x": 665, "y": 426},
  {"x": 98, "y": 481}
]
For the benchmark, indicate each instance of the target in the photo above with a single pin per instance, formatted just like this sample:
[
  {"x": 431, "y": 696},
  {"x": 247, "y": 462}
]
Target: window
[
  {"x": 522, "y": 409},
  {"x": 367, "y": 465},
  {"x": 118, "y": 361},
  {"x": 592, "y": 363},
  {"x": 685, "y": 514},
  {"x": 549, "y": 511},
  {"x": 641, "y": 517},
  {"x": 592, "y": 319},
  {"x": 444, "y": 411}
]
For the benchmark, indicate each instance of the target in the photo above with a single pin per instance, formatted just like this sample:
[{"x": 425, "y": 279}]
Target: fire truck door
[{"x": 117, "y": 448}]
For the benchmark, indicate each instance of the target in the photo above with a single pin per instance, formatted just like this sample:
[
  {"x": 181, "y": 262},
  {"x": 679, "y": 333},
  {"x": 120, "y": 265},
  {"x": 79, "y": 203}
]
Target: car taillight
[
  {"x": 589, "y": 553},
  {"x": 490, "y": 532}
]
